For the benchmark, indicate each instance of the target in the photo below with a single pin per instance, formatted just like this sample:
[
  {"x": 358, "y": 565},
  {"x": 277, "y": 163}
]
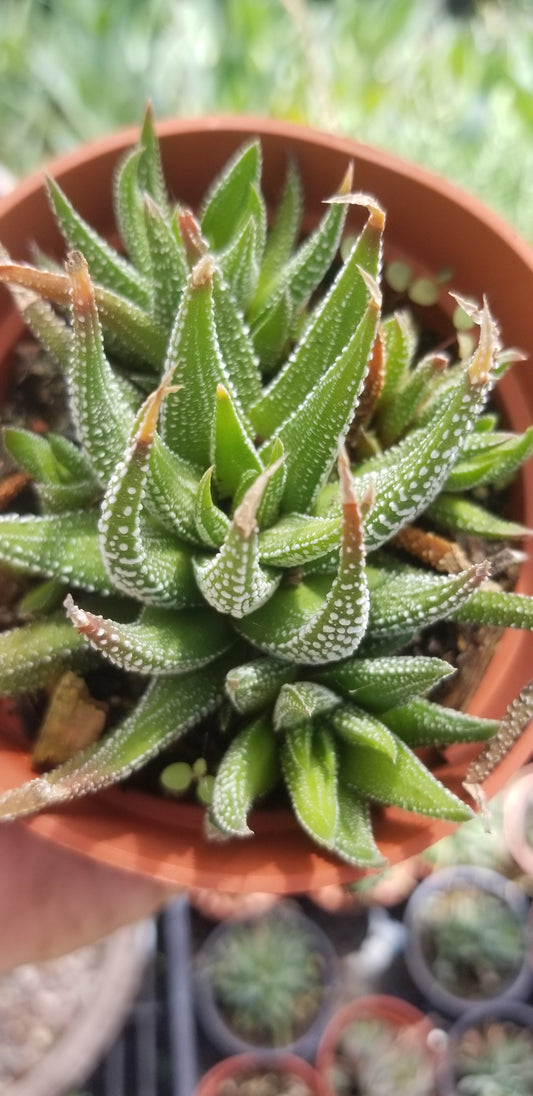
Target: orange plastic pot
[{"x": 433, "y": 225}]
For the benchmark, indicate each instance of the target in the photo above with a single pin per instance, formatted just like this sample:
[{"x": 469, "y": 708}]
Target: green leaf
[
  {"x": 281, "y": 238},
  {"x": 107, "y": 266},
  {"x": 404, "y": 782},
  {"x": 354, "y": 840},
  {"x": 32, "y": 453},
  {"x": 422, "y": 723},
  {"x": 309, "y": 764},
  {"x": 194, "y": 356},
  {"x": 233, "y": 451},
  {"x": 128, "y": 202},
  {"x": 169, "y": 707},
  {"x": 223, "y": 208},
  {"x": 399, "y": 344},
  {"x": 461, "y": 515},
  {"x": 310, "y": 622},
  {"x": 235, "y": 344},
  {"x": 234, "y": 581},
  {"x": 382, "y": 683},
  {"x": 330, "y": 330},
  {"x": 171, "y": 491},
  {"x": 252, "y": 686},
  {"x": 492, "y": 465},
  {"x": 134, "y": 335},
  {"x": 102, "y": 416},
  {"x": 50, "y": 329},
  {"x": 248, "y": 769},
  {"x": 299, "y": 702},
  {"x": 151, "y": 176},
  {"x": 160, "y": 642},
  {"x": 501, "y": 608},
  {"x": 34, "y": 653},
  {"x": 308, "y": 267},
  {"x": 240, "y": 261},
  {"x": 271, "y": 332},
  {"x": 298, "y": 538},
  {"x": 357, "y": 727},
  {"x": 412, "y": 391},
  {"x": 63, "y": 546},
  {"x": 167, "y": 262},
  {"x": 142, "y": 559},
  {"x": 410, "y": 474},
  {"x": 311, "y": 435},
  {"x": 416, "y": 599},
  {"x": 211, "y": 523}
]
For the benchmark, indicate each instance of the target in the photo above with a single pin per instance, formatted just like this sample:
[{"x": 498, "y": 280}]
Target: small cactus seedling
[{"x": 253, "y": 447}]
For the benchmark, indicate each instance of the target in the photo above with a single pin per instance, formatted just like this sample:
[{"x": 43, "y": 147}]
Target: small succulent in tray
[
  {"x": 270, "y": 977},
  {"x": 473, "y": 941},
  {"x": 254, "y": 450},
  {"x": 376, "y": 1058},
  {"x": 494, "y": 1056}
]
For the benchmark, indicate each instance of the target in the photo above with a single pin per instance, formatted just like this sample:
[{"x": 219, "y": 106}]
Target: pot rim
[{"x": 283, "y": 1062}]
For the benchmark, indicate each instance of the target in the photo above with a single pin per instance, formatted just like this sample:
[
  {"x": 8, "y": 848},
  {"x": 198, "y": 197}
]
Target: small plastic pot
[
  {"x": 212, "y": 1018},
  {"x": 241, "y": 1065},
  {"x": 391, "y": 1012},
  {"x": 507, "y": 1011},
  {"x": 514, "y": 987}
]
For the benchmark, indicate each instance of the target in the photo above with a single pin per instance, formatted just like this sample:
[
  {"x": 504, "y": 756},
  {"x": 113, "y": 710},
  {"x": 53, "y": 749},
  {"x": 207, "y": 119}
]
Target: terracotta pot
[
  {"x": 516, "y": 986},
  {"x": 212, "y": 1016},
  {"x": 240, "y": 1065},
  {"x": 433, "y": 225},
  {"x": 513, "y": 1012},
  {"x": 390, "y": 1011}
]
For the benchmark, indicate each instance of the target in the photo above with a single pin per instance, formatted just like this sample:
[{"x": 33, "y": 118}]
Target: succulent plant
[
  {"x": 375, "y": 1057},
  {"x": 494, "y": 1057},
  {"x": 267, "y": 976},
  {"x": 472, "y": 940},
  {"x": 254, "y": 449}
]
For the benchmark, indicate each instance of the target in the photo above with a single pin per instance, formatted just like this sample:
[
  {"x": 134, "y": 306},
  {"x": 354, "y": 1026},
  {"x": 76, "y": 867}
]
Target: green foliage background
[{"x": 455, "y": 93}]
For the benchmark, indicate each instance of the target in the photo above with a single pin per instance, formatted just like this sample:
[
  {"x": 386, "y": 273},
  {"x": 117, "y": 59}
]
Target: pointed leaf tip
[
  {"x": 202, "y": 272},
  {"x": 376, "y": 297},
  {"x": 246, "y": 513},
  {"x": 346, "y": 181},
  {"x": 81, "y": 287},
  {"x": 377, "y": 215},
  {"x": 194, "y": 243}
]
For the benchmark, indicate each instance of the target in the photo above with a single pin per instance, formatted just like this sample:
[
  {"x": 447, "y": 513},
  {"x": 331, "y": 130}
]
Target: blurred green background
[{"x": 443, "y": 82}]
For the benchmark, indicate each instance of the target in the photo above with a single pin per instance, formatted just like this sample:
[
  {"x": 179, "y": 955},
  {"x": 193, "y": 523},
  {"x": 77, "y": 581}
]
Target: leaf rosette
[{"x": 256, "y": 512}]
